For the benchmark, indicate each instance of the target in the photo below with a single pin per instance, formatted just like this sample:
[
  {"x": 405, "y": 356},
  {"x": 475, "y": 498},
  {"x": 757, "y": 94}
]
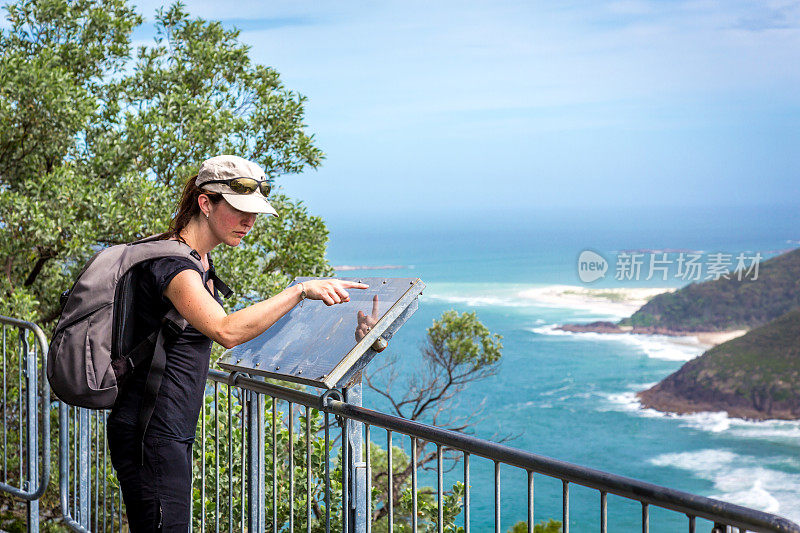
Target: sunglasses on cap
[{"x": 245, "y": 185}]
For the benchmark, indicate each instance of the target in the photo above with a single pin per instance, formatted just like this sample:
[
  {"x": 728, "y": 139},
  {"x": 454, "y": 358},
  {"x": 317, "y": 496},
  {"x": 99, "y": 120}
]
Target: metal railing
[
  {"x": 271, "y": 458},
  {"x": 722, "y": 514},
  {"x": 90, "y": 496},
  {"x": 25, "y": 474}
]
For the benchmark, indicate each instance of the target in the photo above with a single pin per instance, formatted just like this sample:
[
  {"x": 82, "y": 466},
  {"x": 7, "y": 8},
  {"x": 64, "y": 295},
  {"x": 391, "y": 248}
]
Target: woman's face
[{"x": 228, "y": 224}]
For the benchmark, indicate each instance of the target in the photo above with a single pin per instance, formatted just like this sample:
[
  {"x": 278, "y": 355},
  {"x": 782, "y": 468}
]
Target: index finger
[
  {"x": 354, "y": 285},
  {"x": 375, "y": 305}
]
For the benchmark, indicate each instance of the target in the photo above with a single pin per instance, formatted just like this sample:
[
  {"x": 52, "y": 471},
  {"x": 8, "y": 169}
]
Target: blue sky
[{"x": 462, "y": 106}]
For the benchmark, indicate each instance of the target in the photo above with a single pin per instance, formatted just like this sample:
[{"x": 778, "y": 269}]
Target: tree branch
[
  {"x": 9, "y": 263},
  {"x": 45, "y": 256}
]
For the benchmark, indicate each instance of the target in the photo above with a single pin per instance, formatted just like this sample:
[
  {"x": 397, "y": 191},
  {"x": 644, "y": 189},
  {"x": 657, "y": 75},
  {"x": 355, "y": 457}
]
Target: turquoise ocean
[{"x": 572, "y": 396}]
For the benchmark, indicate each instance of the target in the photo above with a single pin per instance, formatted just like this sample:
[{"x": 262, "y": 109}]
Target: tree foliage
[
  {"x": 427, "y": 505},
  {"x": 97, "y": 143},
  {"x": 458, "y": 350},
  {"x": 97, "y": 140},
  {"x": 549, "y": 526}
]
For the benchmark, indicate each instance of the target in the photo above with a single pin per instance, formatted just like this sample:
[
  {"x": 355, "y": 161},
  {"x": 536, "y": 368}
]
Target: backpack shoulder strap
[
  {"x": 171, "y": 326},
  {"x": 156, "y": 237},
  {"x": 221, "y": 286}
]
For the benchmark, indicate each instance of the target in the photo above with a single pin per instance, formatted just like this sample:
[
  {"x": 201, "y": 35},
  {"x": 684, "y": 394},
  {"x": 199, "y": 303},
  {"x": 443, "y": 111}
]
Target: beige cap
[{"x": 224, "y": 167}]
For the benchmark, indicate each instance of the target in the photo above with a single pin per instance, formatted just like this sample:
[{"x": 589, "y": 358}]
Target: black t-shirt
[{"x": 180, "y": 397}]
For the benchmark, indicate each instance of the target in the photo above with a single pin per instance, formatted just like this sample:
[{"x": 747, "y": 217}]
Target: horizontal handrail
[{"x": 676, "y": 500}]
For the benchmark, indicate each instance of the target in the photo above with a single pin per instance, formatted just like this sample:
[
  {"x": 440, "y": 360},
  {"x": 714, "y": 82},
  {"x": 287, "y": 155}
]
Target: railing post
[
  {"x": 27, "y": 401},
  {"x": 255, "y": 461},
  {"x": 357, "y": 466},
  {"x": 32, "y": 386},
  {"x": 83, "y": 467}
]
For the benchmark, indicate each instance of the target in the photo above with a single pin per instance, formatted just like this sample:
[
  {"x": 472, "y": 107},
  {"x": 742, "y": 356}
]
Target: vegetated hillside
[
  {"x": 754, "y": 376},
  {"x": 725, "y": 304}
]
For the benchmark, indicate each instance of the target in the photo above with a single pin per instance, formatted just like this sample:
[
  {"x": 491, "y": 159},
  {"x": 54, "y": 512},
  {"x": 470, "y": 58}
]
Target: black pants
[{"x": 156, "y": 491}]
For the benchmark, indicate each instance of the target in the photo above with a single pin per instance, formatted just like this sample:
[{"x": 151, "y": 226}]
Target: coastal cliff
[
  {"x": 726, "y": 304},
  {"x": 755, "y": 376}
]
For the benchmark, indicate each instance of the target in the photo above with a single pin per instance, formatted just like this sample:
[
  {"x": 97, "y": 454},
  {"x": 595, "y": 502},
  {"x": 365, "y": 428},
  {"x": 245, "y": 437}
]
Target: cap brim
[{"x": 250, "y": 203}]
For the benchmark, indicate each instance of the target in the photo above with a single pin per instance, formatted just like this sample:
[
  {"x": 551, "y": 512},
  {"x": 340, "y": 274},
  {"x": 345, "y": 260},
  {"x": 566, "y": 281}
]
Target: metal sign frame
[{"x": 359, "y": 356}]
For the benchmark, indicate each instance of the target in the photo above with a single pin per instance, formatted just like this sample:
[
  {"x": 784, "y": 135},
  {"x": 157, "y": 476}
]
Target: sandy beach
[
  {"x": 712, "y": 338},
  {"x": 621, "y": 302}
]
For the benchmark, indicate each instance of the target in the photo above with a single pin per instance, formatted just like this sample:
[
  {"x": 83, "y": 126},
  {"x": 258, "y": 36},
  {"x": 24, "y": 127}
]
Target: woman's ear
[{"x": 205, "y": 204}]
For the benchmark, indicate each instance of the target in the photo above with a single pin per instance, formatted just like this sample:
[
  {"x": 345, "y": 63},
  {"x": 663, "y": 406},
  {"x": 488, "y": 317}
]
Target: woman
[{"x": 219, "y": 205}]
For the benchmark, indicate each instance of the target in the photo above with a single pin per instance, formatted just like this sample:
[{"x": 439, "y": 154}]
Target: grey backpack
[{"x": 93, "y": 350}]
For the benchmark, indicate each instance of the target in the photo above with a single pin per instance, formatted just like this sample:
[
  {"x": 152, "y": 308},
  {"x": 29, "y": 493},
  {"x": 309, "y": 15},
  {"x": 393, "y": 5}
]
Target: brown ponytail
[{"x": 187, "y": 208}]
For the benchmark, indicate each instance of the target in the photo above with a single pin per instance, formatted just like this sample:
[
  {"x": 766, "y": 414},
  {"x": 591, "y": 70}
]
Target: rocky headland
[
  {"x": 756, "y": 376},
  {"x": 753, "y": 369}
]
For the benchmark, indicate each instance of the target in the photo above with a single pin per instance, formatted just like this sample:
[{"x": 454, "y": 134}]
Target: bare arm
[{"x": 201, "y": 310}]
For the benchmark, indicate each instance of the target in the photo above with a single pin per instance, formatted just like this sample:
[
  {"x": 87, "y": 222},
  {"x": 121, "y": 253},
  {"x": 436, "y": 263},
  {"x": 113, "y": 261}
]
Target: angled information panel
[{"x": 326, "y": 346}]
